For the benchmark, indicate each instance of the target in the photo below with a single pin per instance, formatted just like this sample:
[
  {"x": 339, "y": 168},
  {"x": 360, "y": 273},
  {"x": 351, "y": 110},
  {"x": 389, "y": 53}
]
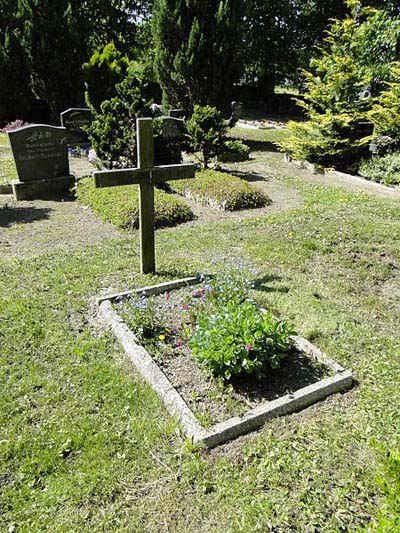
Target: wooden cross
[{"x": 146, "y": 175}]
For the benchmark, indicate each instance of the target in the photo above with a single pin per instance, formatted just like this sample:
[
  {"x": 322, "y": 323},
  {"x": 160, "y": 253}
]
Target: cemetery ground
[{"x": 86, "y": 445}]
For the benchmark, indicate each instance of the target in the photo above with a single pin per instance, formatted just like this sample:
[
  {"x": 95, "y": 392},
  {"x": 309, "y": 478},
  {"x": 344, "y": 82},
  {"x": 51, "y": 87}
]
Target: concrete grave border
[
  {"x": 175, "y": 404},
  {"x": 356, "y": 180}
]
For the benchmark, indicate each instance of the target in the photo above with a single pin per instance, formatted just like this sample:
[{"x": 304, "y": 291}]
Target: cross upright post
[
  {"x": 145, "y": 161},
  {"x": 146, "y": 175}
]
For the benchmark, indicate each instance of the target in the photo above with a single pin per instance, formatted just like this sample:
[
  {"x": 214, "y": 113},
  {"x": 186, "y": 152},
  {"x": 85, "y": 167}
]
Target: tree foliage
[
  {"x": 354, "y": 63},
  {"x": 43, "y": 44},
  {"x": 197, "y": 50},
  {"x": 113, "y": 132},
  {"x": 106, "y": 68},
  {"x": 280, "y": 37}
]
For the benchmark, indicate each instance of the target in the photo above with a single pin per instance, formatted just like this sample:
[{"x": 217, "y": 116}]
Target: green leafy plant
[
  {"x": 385, "y": 169},
  {"x": 385, "y": 113},
  {"x": 113, "y": 131},
  {"x": 240, "y": 339},
  {"x": 120, "y": 205},
  {"x": 234, "y": 151},
  {"x": 221, "y": 190},
  {"x": 228, "y": 334},
  {"x": 141, "y": 315},
  {"x": 206, "y": 132}
]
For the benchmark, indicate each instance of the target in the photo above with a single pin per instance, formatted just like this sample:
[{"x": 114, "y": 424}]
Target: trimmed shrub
[
  {"x": 234, "y": 151},
  {"x": 106, "y": 68},
  {"x": 384, "y": 169},
  {"x": 206, "y": 132},
  {"x": 120, "y": 205},
  {"x": 221, "y": 190}
]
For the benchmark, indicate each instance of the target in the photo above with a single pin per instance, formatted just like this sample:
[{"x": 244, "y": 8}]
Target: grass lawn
[
  {"x": 8, "y": 171},
  {"x": 86, "y": 446},
  {"x": 258, "y": 137}
]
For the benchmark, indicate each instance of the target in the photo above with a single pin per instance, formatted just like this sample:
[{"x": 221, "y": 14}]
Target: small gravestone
[
  {"x": 236, "y": 113},
  {"x": 41, "y": 157},
  {"x": 74, "y": 120},
  {"x": 168, "y": 145},
  {"x": 177, "y": 113}
]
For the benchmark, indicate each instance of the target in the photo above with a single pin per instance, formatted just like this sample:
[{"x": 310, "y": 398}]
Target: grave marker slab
[
  {"x": 73, "y": 119},
  {"x": 41, "y": 158},
  {"x": 168, "y": 146}
]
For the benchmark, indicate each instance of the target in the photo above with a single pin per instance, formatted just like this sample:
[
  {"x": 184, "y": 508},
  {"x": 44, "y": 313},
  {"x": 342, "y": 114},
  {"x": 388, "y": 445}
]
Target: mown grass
[
  {"x": 86, "y": 446},
  {"x": 221, "y": 190},
  {"x": 267, "y": 137},
  {"x": 8, "y": 172},
  {"x": 120, "y": 205}
]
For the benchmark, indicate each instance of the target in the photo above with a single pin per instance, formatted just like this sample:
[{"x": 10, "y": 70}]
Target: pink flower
[
  {"x": 199, "y": 293},
  {"x": 178, "y": 343},
  {"x": 248, "y": 348},
  {"x": 185, "y": 307},
  {"x": 167, "y": 296}
]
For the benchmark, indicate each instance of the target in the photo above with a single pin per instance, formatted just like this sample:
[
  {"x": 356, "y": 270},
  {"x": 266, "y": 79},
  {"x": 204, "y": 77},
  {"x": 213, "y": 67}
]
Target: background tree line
[{"x": 197, "y": 50}]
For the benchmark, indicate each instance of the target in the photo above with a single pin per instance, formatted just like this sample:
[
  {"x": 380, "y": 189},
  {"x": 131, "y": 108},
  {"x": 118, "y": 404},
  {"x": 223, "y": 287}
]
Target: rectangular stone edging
[{"x": 176, "y": 405}]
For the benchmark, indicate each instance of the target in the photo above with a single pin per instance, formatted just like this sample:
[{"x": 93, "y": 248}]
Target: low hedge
[
  {"x": 120, "y": 205},
  {"x": 221, "y": 190}
]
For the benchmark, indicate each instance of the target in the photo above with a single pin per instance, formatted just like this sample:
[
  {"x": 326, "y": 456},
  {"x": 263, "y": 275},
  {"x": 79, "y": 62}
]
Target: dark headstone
[
  {"x": 177, "y": 113},
  {"x": 169, "y": 143},
  {"x": 73, "y": 120},
  {"x": 236, "y": 112},
  {"x": 41, "y": 156}
]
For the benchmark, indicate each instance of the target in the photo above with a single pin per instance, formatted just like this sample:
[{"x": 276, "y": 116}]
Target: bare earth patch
[{"x": 37, "y": 227}]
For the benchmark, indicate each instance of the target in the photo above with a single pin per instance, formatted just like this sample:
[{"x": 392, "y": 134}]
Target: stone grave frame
[{"x": 229, "y": 429}]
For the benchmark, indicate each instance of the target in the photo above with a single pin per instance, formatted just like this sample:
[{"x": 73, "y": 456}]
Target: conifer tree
[{"x": 197, "y": 50}]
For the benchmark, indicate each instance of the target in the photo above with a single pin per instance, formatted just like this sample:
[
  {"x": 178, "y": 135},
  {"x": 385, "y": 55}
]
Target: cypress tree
[{"x": 197, "y": 50}]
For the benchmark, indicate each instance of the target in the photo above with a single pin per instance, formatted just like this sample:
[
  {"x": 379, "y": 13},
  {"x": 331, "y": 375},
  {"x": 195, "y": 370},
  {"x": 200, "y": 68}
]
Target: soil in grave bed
[{"x": 209, "y": 399}]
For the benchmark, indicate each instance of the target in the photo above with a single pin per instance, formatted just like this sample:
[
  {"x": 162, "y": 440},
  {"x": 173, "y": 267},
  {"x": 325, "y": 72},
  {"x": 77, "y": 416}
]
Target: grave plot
[
  {"x": 222, "y": 191},
  {"x": 258, "y": 368}
]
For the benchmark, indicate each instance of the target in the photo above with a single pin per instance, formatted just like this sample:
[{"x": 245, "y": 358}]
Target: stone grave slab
[
  {"x": 41, "y": 157},
  {"x": 73, "y": 119}
]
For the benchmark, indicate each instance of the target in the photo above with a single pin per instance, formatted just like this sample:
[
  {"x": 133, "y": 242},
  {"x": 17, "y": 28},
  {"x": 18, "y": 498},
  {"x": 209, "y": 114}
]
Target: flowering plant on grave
[{"x": 228, "y": 334}]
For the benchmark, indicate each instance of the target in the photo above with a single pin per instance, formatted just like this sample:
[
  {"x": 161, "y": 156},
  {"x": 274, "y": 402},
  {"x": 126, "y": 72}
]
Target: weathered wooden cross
[{"x": 146, "y": 175}]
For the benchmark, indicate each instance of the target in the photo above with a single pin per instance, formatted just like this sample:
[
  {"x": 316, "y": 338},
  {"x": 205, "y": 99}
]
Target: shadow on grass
[
  {"x": 263, "y": 284},
  {"x": 248, "y": 176},
  {"x": 21, "y": 215}
]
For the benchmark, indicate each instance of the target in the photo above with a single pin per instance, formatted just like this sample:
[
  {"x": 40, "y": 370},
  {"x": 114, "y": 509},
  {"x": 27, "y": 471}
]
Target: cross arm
[
  {"x": 172, "y": 172},
  {"x": 123, "y": 176}
]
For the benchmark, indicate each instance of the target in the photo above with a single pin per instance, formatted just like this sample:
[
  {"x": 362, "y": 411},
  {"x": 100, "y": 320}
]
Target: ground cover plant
[
  {"x": 221, "y": 190},
  {"x": 384, "y": 169},
  {"x": 120, "y": 205},
  {"x": 86, "y": 446}
]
